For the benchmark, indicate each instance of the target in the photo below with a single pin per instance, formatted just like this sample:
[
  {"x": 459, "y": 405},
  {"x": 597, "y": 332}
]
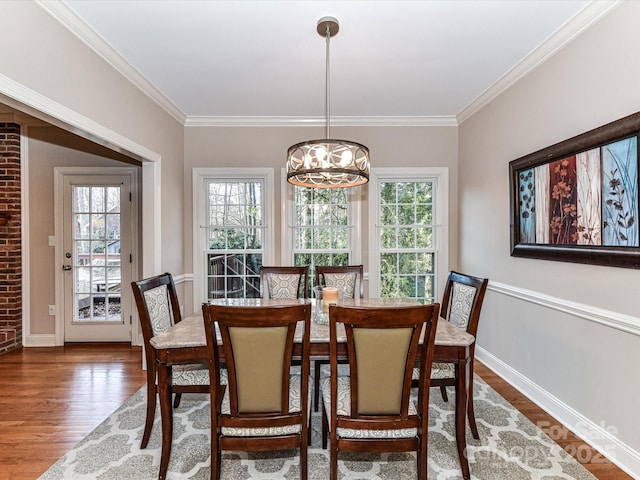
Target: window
[
  {"x": 322, "y": 227},
  {"x": 407, "y": 213},
  {"x": 233, "y": 216}
]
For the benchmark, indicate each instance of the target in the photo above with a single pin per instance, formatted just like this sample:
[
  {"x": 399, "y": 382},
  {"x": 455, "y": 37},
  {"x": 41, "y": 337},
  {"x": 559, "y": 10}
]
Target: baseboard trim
[
  {"x": 39, "y": 340},
  {"x": 600, "y": 437}
]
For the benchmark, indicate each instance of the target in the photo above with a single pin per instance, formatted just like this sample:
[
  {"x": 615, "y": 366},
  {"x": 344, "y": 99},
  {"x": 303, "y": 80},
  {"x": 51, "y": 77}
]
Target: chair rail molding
[{"x": 608, "y": 318}]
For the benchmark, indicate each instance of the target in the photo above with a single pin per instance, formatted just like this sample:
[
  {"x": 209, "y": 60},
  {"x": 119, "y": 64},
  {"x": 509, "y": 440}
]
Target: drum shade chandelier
[{"x": 328, "y": 163}]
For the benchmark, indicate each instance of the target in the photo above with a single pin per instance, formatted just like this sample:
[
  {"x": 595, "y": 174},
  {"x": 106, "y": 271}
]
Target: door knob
[{"x": 66, "y": 268}]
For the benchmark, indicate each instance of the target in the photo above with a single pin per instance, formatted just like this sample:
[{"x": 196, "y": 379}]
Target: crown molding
[
  {"x": 441, "y": 121},
  {"x": 68, "y": 18},
  {"x": 571, "y": 29}
]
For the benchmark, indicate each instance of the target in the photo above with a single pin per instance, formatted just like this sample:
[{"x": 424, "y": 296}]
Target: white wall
[{"x": 543, "y": 323}]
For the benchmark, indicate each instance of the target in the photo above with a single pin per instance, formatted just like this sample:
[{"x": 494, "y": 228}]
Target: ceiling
[{"x": 234, "y": 62}]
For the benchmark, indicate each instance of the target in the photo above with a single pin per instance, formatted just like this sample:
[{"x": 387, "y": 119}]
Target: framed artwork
[{"x": 577, "y": 201}]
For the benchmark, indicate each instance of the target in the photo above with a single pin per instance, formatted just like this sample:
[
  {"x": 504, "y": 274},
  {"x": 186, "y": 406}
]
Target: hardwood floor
[
  {"x": 51, "y": 398},
  {"x": 593, "y": 461}
]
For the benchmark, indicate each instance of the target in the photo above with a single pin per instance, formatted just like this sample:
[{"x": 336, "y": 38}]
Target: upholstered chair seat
[
  {"x": 344, "y": 409},
  {"x": 190, "y": 375},
  {"x": 294, "y": 407},
  {"x": 439, "y": 371}
]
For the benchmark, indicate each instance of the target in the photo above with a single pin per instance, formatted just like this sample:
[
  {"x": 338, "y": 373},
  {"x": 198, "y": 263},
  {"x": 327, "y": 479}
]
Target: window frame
[
  {"x": 440, "y": 178},
  {"x": 199, "y": 177},
  {"x": 354, "y": 220}
]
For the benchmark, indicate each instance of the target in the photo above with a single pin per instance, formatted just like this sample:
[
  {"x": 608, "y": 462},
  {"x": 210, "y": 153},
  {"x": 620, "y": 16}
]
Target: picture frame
[{"x": 577, "y": 201}]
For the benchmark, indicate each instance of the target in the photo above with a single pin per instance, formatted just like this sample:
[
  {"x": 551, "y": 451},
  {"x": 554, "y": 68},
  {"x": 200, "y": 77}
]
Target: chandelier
[{"x": 328, "y": 163}]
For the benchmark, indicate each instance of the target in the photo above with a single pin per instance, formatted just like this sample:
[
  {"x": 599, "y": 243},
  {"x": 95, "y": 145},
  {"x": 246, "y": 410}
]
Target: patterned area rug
[{"x": 510, "y": 448}]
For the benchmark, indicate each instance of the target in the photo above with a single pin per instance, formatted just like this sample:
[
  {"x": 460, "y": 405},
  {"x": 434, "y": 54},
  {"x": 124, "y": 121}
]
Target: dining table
[{"x": 186, "y": 343}]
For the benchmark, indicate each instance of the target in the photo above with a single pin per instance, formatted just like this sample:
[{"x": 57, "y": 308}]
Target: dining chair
[
  {"x": 372, "y": 409},
  {"x": 283, "y": 282},
  {"x": 263, "y": 406},
  {"x": 461, "y": 305},
  {"x": 349, "y": 278},
  {"x": 159, "y": 309}
]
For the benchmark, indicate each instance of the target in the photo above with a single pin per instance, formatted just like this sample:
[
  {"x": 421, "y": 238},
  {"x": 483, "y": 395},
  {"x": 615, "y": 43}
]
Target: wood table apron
[{"x": 185, "y": 342}]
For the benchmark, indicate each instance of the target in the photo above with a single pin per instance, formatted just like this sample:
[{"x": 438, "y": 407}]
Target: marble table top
[{"x": 190, "y": 331}]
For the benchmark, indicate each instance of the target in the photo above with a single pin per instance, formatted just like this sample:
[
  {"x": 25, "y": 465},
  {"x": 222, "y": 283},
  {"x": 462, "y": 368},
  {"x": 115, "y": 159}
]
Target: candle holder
[{"x": 324, "y": 297}]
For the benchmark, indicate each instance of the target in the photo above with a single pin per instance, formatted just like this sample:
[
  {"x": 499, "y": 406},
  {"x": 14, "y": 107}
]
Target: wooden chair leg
[
  {"x": 216, "y": 457},
  {"x": 151, "y": 413},
  {"x": 303, "y": 461},
  {"x": 470, "y": 412},
  {"x": 333, "y": 460},
  {"x": 443, "y": 392},
  {"x": 176, "y": 400},
  {"x": 325, "y": 427},
  {"x": 422, "y": 459},
  {"x": 316, "y": 383}
]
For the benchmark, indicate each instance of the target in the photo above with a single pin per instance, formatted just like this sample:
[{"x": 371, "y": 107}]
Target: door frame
[{"x": 59, "y": 174}]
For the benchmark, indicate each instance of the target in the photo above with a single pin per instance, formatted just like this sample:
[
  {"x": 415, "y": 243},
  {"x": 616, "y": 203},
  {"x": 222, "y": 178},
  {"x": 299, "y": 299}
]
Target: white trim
[
  {"x": 287, "y": 194},
  {"x": 76, "y": 25},
  {"x": 598, "y": 436},
  {"x": 619, "y": 321},
  {"x": 197, "y": 184},
  {"x": 39, "y": 340},
  {"x": 407, "y": 121},
  {"x": 185, "y": 278},
  {"x": 151, "y": 218},
  {"x": 286, "y": 199},
  {"x": 31, "y": 102},
  {"x": 27, "y": 337},
  {"x": 571, "y": 29},
  {"x": 441, "y": 220}
]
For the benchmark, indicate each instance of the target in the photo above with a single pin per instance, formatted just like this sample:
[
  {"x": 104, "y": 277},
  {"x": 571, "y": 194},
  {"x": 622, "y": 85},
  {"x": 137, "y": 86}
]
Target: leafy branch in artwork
[
  {"x": 620, "y": 216},
  {"x": 563, "y": 221},
  {"x": 527, "y": 206}
]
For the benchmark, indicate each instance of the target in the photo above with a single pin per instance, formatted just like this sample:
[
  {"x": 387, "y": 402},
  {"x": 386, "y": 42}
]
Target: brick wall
[{"x": 10, "y": 241}]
